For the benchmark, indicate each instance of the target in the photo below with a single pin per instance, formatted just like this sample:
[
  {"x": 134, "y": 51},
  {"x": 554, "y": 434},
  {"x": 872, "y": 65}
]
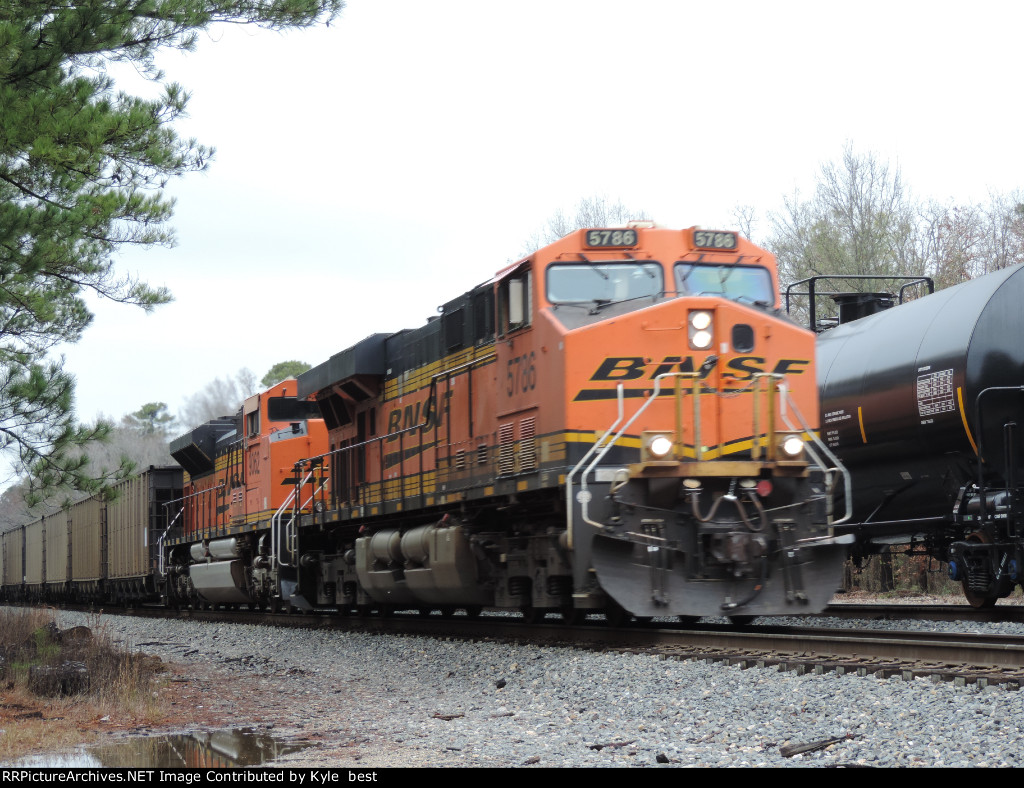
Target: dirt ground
[
  {"x": 205, "y": 697},
  {"x": 188, "y": 698}
]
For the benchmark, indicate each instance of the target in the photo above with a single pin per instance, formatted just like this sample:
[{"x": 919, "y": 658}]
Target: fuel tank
[{"x": 899, "y": 396}]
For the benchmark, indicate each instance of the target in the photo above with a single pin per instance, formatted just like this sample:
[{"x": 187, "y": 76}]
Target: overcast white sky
[{"x": 368, "y": 172}]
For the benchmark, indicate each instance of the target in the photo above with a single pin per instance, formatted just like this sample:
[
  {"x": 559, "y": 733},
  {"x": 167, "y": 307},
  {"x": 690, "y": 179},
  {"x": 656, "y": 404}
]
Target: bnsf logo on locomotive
[
  {"x": 423, "y": 415},
  {"x": 618, "y": 368}
]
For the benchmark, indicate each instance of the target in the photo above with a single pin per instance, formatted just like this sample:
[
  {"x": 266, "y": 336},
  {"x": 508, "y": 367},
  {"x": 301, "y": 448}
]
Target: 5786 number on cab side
[{"x": 521, "y": 374}]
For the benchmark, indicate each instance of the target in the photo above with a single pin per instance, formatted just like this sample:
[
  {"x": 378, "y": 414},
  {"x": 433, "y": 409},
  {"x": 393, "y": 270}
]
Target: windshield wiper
[
  {"x": 600, "y": 303},
  {"x": 599, "y": 272}
]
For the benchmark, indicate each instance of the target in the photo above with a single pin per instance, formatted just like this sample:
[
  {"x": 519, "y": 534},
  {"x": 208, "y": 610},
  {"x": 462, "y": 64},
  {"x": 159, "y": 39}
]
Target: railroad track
[
  {"x": 896, "y": 612},
  {"x": 980, "y": 659}
]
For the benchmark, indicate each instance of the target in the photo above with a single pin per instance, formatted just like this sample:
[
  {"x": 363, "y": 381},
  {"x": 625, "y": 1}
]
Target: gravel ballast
[{"x": 413, "y": 701}]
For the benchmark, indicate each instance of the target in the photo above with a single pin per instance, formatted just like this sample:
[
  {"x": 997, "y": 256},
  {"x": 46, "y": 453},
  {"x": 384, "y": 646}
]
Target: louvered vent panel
[
  {"x": 527, "y": 446},
  {"x": 506, "y": 449},
  {"x": 481, "y": 454},
  {"x": 460, "y": 459}
]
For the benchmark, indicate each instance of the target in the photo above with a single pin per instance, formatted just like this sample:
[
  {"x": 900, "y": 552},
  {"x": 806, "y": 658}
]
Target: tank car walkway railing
[
  {"x": 764, "y": 401},
  {"x": 813, "y": 293}
]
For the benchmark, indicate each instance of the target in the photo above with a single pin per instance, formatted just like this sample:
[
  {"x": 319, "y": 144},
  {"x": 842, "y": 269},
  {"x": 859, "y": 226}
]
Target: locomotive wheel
[
  {"x": 474, "y": 611},
  {"x": 531, "y": 614},
  {"x": 447, "y": 611},
  {"x": 616, "y": 614},
  {"x": 741, "y": 621},
  {"x": 688, "y": 620}
]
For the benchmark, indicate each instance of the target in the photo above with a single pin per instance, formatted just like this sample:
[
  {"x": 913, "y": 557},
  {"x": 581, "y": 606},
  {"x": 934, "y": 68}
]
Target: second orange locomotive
[{"x": 622, "y": 422}]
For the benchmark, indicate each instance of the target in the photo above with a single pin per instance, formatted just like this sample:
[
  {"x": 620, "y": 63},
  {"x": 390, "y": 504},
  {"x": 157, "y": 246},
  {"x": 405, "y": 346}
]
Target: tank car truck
[
  {"x": 622, "y": 422},
  {"x": 923, "y": 403}
]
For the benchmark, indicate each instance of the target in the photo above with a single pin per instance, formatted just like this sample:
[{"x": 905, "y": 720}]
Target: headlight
[
  {"x": 793, "y": 446},
  {"x": 660, "y": 446},
  {"x": 701, "y": 340},
  {"x": 701, "y": 332},
  {"x": 657, "y": 446}
]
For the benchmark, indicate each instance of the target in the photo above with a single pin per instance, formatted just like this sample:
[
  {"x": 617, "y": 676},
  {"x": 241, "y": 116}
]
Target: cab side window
[{"x": 515, "y": 302}]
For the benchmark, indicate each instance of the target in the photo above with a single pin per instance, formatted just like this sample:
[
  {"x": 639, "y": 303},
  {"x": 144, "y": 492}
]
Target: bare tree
[
  {"x": 220, "y": 397},
  {"x": 951, "y": 242},
  {"x": 745, "y": 217},
  {"x": 859, "y": 221},
  {"x": 595, "y": 211},
  {"x": 1004, "y": 231}
]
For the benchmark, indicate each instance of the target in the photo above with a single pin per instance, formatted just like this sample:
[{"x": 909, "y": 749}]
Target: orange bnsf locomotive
[
  {"x": 623, "y": 422},
  {"x": 238, "y": 481}
]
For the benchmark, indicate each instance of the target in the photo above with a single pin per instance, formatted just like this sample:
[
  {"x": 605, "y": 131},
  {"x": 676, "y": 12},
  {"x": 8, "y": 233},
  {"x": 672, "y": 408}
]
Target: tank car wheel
[
  {"x": 741, "y": 621},
  {"x": 978, "y": 601},
  {"x": 447, "y": 612},
  {"x": 363, "y": 610},
  {"x": 425, "y": 612},
  {"x": 974, "y": 599},
  {"x": 531, "y": 614},
  {"x": 573, "y": 616},
  {"x": 474, "y": 611}
]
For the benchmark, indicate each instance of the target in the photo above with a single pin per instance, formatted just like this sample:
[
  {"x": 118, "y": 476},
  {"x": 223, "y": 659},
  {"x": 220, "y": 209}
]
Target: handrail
[
  {"x": 837, "y": 465},
  {"x": 776, "y": 383},
  {"x": 161, "y": 566},
  {"x": 812, "y": 281},
  {"x": 568, "y": 479},
  {"x": 160, "y": 539},
  {"x": 380, "y": 439},
  {"x": 278, "y": 516}
]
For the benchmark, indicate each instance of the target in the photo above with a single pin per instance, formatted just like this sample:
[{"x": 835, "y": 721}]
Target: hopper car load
[
  {"x": 923, "y": 402},
  {"x": 623, "y": 422}
]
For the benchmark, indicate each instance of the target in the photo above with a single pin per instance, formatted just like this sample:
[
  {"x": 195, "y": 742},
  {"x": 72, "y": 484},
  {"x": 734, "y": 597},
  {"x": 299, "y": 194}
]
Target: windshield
[
  {"x": 751, "y": 284},
  {"x": 603, "y": 282}
]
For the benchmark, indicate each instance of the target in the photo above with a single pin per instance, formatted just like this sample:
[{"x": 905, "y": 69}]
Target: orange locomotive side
[
  {"x": 239, "y": 474},
  {"x": 622, "y": 421}
]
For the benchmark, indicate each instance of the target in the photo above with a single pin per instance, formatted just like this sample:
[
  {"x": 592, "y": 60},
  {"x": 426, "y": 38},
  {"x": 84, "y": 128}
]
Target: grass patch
[{"x": 119, "y": 684}]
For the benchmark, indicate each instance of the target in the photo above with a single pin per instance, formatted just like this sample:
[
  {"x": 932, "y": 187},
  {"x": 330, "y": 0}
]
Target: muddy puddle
[{"x": 207, "y": 750}]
